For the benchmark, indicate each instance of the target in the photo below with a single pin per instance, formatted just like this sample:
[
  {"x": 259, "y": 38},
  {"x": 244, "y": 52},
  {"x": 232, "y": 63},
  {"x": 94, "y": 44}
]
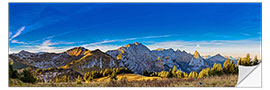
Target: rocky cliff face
[
  {"x": 135, "y": 57},
  {"x": 77, "y": 58},
  {"x": 217, "y": 57},
  {"x": 43, "y": 60},
  {"x": 96, "y": 60},
  {"x": 139, "y": 58}
]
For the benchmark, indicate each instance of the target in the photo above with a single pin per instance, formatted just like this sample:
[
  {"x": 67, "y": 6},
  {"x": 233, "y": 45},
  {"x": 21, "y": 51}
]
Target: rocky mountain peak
[
  {"x": 196, "y": 54},
  {"x": 160, "y": 49},
  {"x": 77, "y": 51},
  {"x": 134, "y": 47},
  {"x": 23, "y": 51},
  {"x": 217, "y": 57},
  {"x": 134, "y": 44},
  {"x": 134, "y": 56},
  {"x": 97, "y": 51},
  {"x": 137, "y": 43},
  {"x": 184, "y": 51}
]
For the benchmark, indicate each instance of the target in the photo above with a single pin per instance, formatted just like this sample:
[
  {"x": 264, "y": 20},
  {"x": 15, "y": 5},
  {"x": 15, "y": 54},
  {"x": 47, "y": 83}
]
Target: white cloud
[
  {"x": 18, "y": 32},
  {"x": 246, "y": 34},
  {"x": 45, "y": 46},
  {"x": 98, "y": 43},
  {"x": 64, "y": 42},
  {"x": 103, "y": 48},
  {"x": 157, "y": 36},
  {"x": 18, "y": 42},
  {"x": 198, "y": 45},
  {"x": 123, "y": 40}
]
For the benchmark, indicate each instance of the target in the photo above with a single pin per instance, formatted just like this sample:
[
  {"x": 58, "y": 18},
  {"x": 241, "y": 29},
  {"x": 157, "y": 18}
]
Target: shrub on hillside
[{"x": 27, "y": 77}]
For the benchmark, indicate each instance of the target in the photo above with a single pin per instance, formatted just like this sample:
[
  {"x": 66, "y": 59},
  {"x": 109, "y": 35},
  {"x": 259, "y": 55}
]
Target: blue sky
[{"x": 228, "y": 28}]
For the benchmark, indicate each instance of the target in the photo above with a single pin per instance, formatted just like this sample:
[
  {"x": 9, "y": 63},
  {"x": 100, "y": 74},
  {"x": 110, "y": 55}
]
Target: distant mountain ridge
[{"x": 136, "y": 57}]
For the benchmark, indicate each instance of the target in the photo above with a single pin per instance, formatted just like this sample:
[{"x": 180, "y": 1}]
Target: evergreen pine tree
[
  {"x": 174, "y": 71},
  {"x": 216, "y": 69},
  {"x": 248, "y": 60},
  {"x": 226, "y": 66},
  {"x": 113, "y": 76},
  {"x": 256, "y": 61},
  {"x": 192, "y": 75},
  {"x": 232, "y": 67},
  {"x": 204, "y": 73},
  {"x": 28, "y": 77},
  {"x": 170, "y": 74},
  {"x": 79, "y": 80},
  {"x": 185, "y": 75},
  {"x": 178, "y": 74},
  {"x": 57, "y": 79},
  {"x": 239, "y": 62}
]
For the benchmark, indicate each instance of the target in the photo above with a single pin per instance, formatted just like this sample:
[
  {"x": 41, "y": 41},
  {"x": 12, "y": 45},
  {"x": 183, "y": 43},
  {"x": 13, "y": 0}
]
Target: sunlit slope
[{"x": 129, "y": 77}]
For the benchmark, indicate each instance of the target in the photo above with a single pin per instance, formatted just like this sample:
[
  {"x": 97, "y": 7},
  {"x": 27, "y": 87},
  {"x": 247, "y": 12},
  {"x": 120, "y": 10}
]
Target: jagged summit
[
  {"x": 184, "y": 51},
  {"x": 135, "y": 56},
  {"x": 23, "y": 51},
  {"x": 230, "y": 57},
  {"x": 217, "y": 57},
  {"x": 207, "y": 57},
  {"x": 77, "y": 51},
  {"x": 82, "y": 48},
  {"x": 134, "y": 44},
  {"x": 196, "y": 54},
  {"x": 137, "y": 43},
  {"x": 161, "y": 49},
  {"x": 97, "y": 51}
]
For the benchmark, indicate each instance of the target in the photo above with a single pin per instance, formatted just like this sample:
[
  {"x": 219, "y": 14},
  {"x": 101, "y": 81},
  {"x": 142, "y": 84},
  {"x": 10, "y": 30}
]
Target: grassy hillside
[
  {"x": 129, "y": 77},
  {"x": 133, "y": 80}
]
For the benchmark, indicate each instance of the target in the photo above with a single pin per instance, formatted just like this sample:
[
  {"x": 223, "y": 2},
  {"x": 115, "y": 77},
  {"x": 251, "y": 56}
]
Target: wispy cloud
[
  {"x": 103, "y": 48},
  {"x": 198, "y": 45},
  {"x": 18, "y": 32},
  {"x": 45, "y": 46},
  {"x": 157, "y": 36},
  {"x": 246, "y": 34},
  {"x": 125, "y": 39},
  {"x": 100, "y": 45},
  {"x": 102, "y": 42},
  {"x": 18, "y": 42}
]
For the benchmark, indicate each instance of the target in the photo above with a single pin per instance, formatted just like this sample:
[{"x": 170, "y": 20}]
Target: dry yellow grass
[
  {"x": 129, "y": 77},
  {"x": 140, "y": 81}
]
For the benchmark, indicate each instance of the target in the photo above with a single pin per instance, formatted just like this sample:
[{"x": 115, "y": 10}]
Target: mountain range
[{"x": 136, "y": 57}]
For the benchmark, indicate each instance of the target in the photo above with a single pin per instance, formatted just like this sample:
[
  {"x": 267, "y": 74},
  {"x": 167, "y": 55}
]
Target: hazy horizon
[{"x": 192, "y": 52}]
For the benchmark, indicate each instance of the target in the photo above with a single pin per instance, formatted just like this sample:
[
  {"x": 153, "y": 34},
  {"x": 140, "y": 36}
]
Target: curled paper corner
[{"x": 249, "y": 76}]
